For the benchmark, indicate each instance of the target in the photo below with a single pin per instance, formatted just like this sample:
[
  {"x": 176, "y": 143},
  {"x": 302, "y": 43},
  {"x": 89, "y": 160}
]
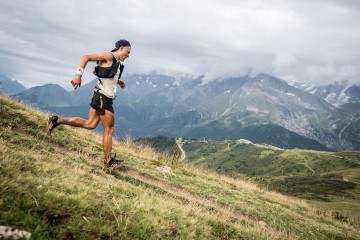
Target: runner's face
[{"x": 125, "y": 52}]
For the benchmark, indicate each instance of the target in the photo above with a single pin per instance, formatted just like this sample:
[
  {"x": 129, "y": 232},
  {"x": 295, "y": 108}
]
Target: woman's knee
[
  {"x": 109, "y": 130},
  {"x": 91, "y": 125}
]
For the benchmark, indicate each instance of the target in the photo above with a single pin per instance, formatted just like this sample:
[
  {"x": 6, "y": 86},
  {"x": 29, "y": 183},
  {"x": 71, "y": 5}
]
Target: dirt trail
[
  {"x": 183, "y": 154},
  {"x": 183, "y": 193},
  {"x": 307, "y": 165}
]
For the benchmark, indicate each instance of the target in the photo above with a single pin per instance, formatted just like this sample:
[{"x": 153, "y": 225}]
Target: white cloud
[{"x": 307, "y": 41}]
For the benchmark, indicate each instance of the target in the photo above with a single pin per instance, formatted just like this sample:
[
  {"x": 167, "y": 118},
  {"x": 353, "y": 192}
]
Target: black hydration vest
[{"x": 109, "y": 72}]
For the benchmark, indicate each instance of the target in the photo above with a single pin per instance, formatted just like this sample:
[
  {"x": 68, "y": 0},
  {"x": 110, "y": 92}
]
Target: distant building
[{"x": 243, "y": 141}]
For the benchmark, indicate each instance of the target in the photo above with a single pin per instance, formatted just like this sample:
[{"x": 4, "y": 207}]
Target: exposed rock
[
  {"x": 262, "y": 224},
  {"x": 164, "y": 169},
  {"x": 13, "y": 233}
]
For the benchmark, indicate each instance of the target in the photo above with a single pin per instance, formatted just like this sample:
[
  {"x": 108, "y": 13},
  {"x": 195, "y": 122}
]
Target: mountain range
[
  {"x": 258, "y": 107},
  {"x": 9, "y": 86}
]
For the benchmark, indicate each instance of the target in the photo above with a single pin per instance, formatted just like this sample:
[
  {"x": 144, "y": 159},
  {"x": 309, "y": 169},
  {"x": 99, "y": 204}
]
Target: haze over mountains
[{"x": 258, "y": 107}]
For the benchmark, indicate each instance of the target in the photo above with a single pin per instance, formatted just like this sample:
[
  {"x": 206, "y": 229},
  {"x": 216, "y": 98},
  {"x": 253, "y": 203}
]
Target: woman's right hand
[{"x": 76, "y": 82}]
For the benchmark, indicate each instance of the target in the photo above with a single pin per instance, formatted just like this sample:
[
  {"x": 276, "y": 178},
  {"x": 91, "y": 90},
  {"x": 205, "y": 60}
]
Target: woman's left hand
[{"x": 122, "y": 83}]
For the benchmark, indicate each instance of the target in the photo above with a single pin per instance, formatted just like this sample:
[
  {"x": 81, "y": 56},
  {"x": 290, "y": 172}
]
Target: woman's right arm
[{"x": 101, "y": 57}]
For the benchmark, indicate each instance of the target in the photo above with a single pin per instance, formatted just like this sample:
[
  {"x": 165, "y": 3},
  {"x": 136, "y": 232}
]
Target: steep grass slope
[{"x": 56, "y": 188}]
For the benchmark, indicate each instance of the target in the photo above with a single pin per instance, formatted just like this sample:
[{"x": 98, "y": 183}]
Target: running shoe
[{"x": 52, "y": 123}]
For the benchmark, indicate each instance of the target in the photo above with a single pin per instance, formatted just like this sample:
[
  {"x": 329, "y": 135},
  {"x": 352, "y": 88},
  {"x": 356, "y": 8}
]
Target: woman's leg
[
  {"x": 91, "y": 123},
  {"x": 108, "y": 122}
]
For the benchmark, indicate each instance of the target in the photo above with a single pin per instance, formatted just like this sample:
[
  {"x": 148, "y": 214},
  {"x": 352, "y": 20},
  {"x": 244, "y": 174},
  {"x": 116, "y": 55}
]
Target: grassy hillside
[
  {"x": 56, "y": 188},
  {"x": 329, "y": 179}
]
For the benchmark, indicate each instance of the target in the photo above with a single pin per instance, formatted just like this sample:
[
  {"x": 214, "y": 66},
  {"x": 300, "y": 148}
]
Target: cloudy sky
[{"x": 312, "y": 41}]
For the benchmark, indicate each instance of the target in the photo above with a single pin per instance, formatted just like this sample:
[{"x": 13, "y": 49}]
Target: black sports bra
[{"x": 109, "y": 72}]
